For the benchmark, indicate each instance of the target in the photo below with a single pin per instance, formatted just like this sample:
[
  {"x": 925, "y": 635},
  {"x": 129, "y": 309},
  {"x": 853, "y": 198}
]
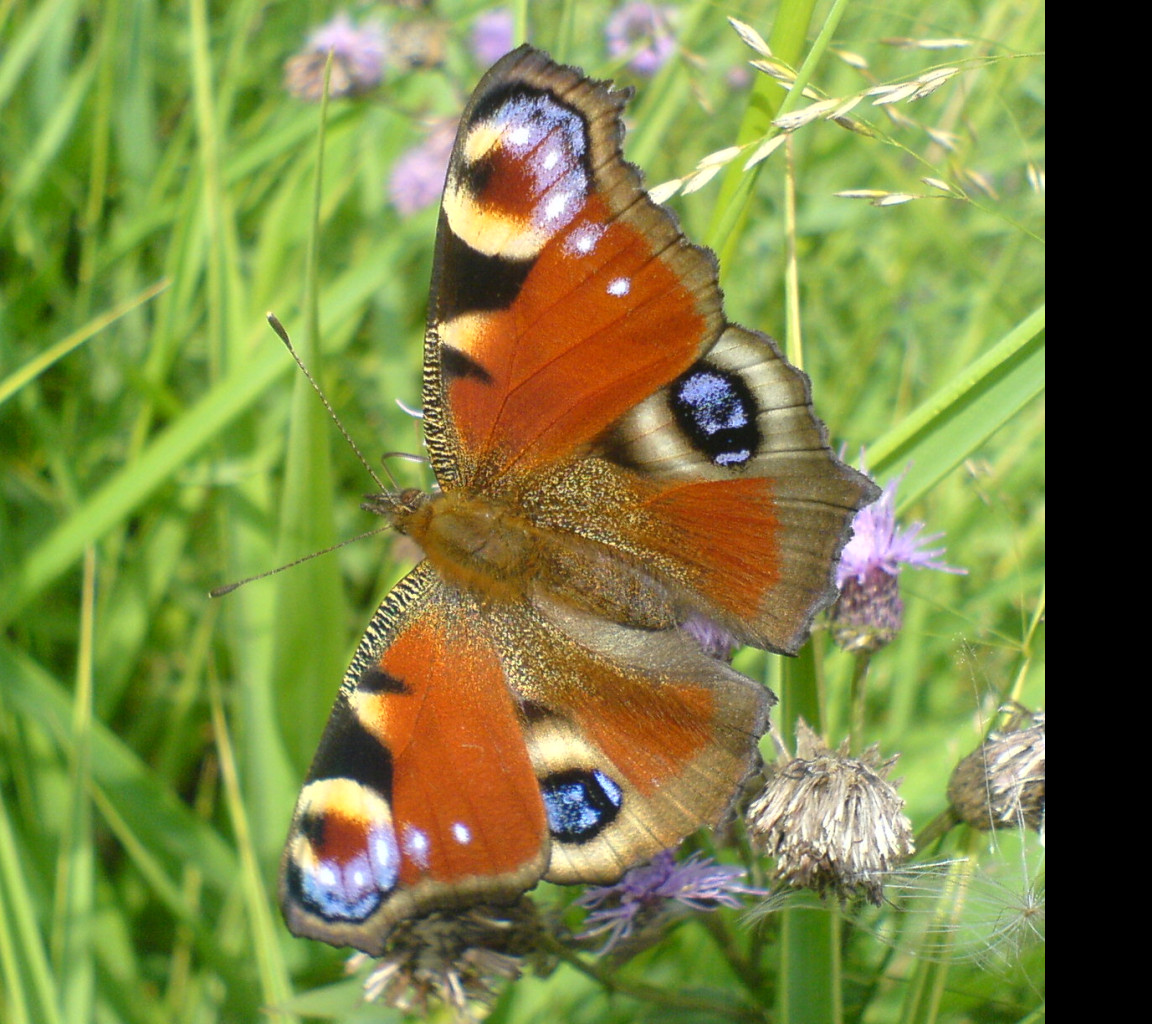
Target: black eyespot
[
  {"x": 718, "y": 412},
  {"x": 580, "y": 803}
]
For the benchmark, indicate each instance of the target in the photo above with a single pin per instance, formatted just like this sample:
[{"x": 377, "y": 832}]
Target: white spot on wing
[
  {"x": 556, "y": 205},
  {"x": 385, "y": 856},
  {"x": 619, "y": 286},
  {"x": 462, "y": 833},
  {"x": 583, "y": 240},
  {"x": 416, "y": 845}
]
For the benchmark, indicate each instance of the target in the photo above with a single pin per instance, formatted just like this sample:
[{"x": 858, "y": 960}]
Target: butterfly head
[{"x": 394, "y": 505}]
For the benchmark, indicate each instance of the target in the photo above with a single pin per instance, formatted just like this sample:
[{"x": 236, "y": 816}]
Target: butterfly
[{"x": 615, "y": 461}]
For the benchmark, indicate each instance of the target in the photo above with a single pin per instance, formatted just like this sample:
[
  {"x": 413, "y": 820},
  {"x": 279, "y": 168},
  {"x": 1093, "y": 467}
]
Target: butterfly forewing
[
  {"x": 422, "y": 793},
  {"x": 561, "y": 296}
]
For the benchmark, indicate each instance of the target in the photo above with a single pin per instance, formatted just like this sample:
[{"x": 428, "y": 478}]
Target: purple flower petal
[
  {"x": 698, "y": 883},
  {"x": 357, "y": 60},
  {"x": 879, "y": 544}
]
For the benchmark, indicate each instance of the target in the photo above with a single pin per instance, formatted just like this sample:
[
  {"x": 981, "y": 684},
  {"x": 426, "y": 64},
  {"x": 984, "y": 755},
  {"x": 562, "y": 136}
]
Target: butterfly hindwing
[
  {"x": 752, "y": 507},
  {"x": 637, "y": 736},
  {"x": 472, "y": 751}
]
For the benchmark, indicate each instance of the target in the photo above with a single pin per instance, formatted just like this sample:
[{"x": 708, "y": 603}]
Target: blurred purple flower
[
  {"x": 643, "y": 33},
  {"x": 870, "y": 612},
  {"x": 738, "y": 77},
  {"x": 714, "y": 639},
  {"x": 418, "y": 175},
  {"x": 357, "y": 60},
  {"x": 492, "y": 35},
  {"x": 699, "y": 883}
]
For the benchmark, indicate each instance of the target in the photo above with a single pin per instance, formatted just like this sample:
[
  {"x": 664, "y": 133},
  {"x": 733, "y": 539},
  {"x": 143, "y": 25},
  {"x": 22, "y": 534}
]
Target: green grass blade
[{"x": 952, "y": 424}]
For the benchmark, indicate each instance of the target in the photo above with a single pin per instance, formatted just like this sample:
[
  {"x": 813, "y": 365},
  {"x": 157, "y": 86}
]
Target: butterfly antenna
[
  {"x": 227, "y": 588},
  {"x": 282, "y": 334}
]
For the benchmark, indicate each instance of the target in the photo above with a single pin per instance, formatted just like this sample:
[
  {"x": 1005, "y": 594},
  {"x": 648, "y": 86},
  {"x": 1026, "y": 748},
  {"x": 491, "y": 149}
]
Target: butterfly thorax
[{"x": 472, "y": 540}]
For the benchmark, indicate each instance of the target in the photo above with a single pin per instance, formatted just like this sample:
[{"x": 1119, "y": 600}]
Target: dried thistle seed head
[
  {"x": 832, "y": 822},
  {"x": 454, "y": 958},
  {"x": 417, "y": 44},
  {"x": 1001, "y": 784}
]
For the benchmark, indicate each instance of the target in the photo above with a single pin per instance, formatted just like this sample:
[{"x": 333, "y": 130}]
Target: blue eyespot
[
  {"x": 580, "y": 803},
  {"x": 548, "y": 141},
  {"x": 717, "y": 411},
  {"x": 346, "y": 884}
]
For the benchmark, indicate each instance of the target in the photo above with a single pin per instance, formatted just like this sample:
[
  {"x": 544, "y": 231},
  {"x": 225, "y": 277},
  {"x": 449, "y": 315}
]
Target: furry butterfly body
[{"x": 614, "y": 461}]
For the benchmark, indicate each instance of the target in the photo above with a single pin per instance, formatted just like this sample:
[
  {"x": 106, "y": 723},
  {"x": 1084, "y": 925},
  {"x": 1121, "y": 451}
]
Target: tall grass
[{"x": 159, "y": 192}]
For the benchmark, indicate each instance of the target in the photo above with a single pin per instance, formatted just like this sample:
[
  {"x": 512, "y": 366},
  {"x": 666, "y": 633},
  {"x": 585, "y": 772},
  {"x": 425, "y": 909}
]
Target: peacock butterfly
[{"x": 614, "y": 460}]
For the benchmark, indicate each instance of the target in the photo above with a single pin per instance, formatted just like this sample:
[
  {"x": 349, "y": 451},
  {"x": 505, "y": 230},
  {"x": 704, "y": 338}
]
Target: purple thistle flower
[
  {"x": 643, "y": 33},
  {"x": 644, "y": 892},
  {"x": 870, "y": 612},
  {"x": 357, "y": 60},
  {"x": 418, "y": 175},
  {"x": 878, "y": 544},
  {"x": 492, "y": 35}
]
